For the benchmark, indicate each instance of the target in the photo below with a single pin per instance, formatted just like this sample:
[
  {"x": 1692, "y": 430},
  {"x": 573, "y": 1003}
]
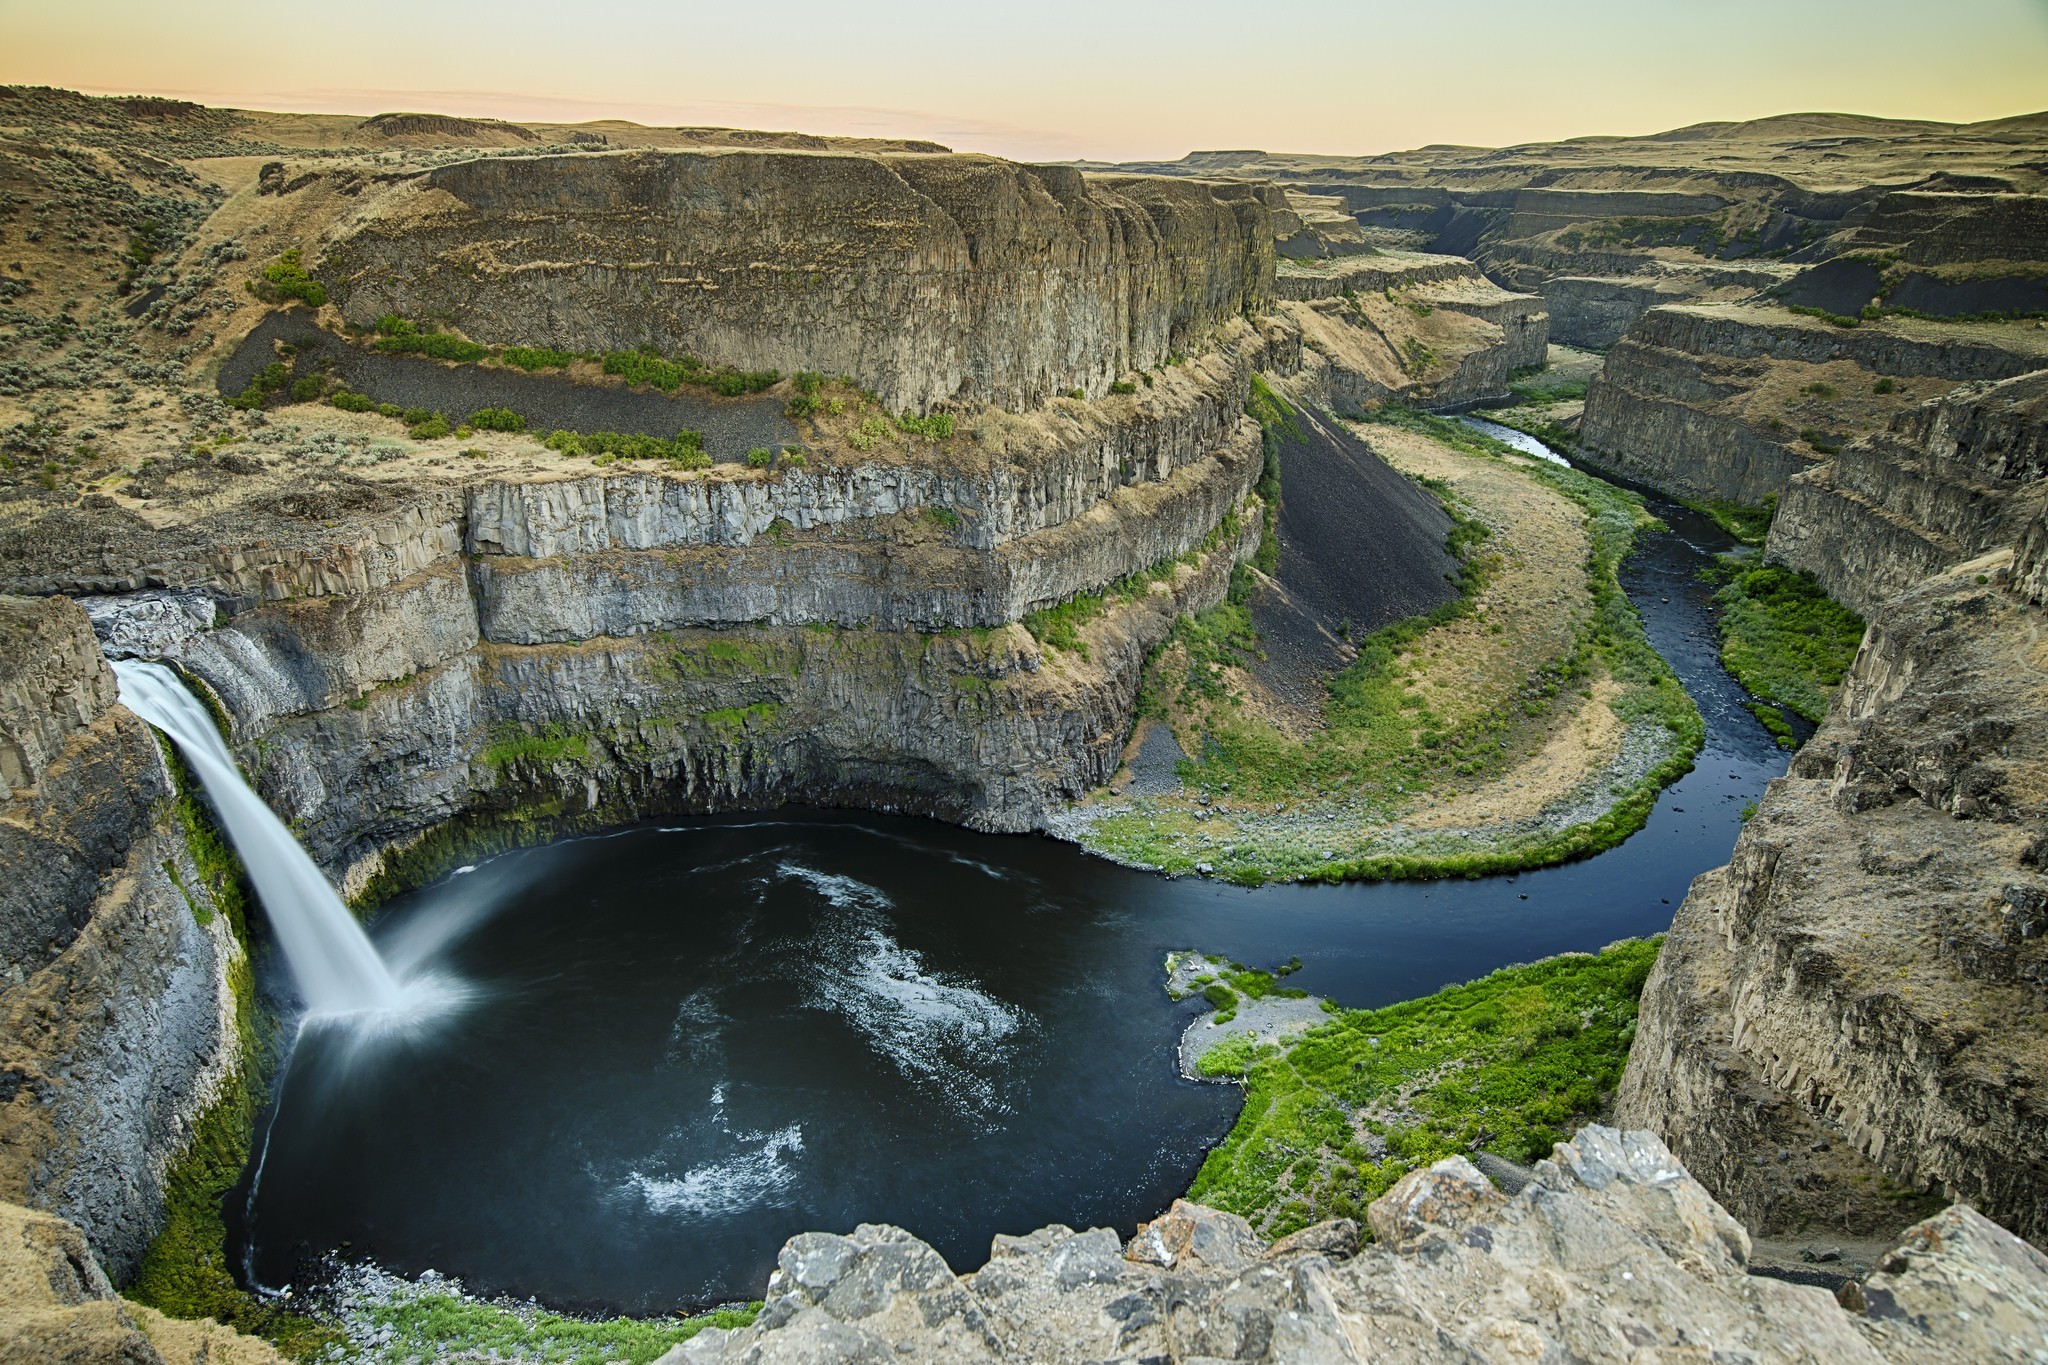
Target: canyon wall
[
  {"x": 1730, "y": 402},
  {"x": 1947, "y": 481},
  {"x": 1856, "y": 1007},
  {"x": 578, "y": 642},
  {"x": 117, "y": 1009},
  {"x": 926, "y": 278}
]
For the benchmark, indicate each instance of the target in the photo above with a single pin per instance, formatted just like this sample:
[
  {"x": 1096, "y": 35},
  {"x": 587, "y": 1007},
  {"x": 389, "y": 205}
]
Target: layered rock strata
[
  {"x": 928, "y": 278},
  {"x": 1856, "y": 1007},
  {"x": 1948, "y": 481},
  {"x": 1730, "y": 402},
  {"x": 623, "y": 643},
  {"x": 117, "y": 1014},
  {"x": 1613, "y": 1253}
]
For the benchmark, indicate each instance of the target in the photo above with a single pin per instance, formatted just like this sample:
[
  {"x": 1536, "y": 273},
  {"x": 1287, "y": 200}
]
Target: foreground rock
[
  {"x": 57, "y": 1305},
  {"x": 1613, "y": 1253}
]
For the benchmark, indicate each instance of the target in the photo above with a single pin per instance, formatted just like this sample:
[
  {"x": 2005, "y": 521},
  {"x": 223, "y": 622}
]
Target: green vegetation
[
  {"x": 442, "y": 1327},
  {"x": 432, "y": 427},
  {"x": 1058, "y": 626},
  {"x": 1750, "y": 525},
  {"x": 1536, "y": 384},
  {"x": 284, "y": 280},
  {"x": 1785, "y": 640},
  {"x": 497, "y": 419},
  {"x": 1509, "y": 1063},
  {"x": 550, "y": 744},
  {"x": 1381, "y": 741},
  {"x": 530, "y": 358},
  {"x": 685, "y": 452},
  {"x": 945, "y": 518},
  {"x": 872, "y": 431},
  {"x": 351, "y": 402},
  {"x": 648, "y": 366},
  {"x": 1124, "y": 386},
  {"x": 760, "y": 457},
  {"x": 267, "y": 381},
  {"x": 398, "y": 336},
  {"x": 806, "y": 402},
  {"x": 1834, "y": 319},
  {"x": 938, "y": 426},
  {"x": 1884, "y": 385},
  {"x": 1821, "y": 443}
]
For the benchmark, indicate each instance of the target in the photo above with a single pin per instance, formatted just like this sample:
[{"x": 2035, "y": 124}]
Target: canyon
[{"x": 1029, "y": 422}]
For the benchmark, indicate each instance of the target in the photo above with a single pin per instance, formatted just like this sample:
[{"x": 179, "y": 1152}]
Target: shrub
[
  {"x": 760, "y": 457},
  {"x": 938, "y": 426},
  {"x": 351, "y": 402},
  {"x": 497, "y": 419},
  {"x": 531, "y": 358},
  {"x": 1123, "y": 386},
  {"x": 389, "y": 410},
  {"x": 307, "y": 389},
  {"x": 794, "y": 457},
  {"x": 1078, "y": 395},
  {"x": 432, "y": 429},
  {"x": 265, "y": 382},
  {"x": 285, "y": 281},
  {"x": 1884, "y": 385},
  {"x": 871, "y": 431},
  {"x": 435, "y": 345}
]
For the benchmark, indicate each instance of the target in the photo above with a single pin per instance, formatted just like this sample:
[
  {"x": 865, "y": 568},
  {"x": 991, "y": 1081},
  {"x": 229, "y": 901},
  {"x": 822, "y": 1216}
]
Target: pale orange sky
[{"x": 1061, "y": 78}]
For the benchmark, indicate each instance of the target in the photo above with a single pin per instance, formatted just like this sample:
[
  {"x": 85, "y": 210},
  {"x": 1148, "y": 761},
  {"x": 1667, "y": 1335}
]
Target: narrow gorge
[{"x": 769, "y": 641}]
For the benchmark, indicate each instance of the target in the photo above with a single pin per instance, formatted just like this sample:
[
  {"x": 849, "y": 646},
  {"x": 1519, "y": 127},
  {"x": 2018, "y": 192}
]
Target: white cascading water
[{"x": 332, "y": 959}]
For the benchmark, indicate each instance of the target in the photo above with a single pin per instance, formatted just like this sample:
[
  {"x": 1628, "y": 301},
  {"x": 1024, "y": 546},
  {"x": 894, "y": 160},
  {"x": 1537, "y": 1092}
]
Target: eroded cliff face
[
  {"x": 1730, "y": 402},
  {"x": 117, "y": 1014},
  {"x": 1947, "y": 481},
  {"x": 589, "y": 644},
  {"x": 1857, "y": 1005},
  {"x": 926, "y": 278}
]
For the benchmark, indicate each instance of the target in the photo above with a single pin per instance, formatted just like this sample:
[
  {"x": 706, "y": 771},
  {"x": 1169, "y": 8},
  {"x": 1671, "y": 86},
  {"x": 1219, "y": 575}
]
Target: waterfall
[{"x": 336, "y": 967}]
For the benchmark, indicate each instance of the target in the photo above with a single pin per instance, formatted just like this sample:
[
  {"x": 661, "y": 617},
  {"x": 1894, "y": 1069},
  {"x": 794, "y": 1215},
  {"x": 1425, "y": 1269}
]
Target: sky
[{"x": 1063, "y": 79}]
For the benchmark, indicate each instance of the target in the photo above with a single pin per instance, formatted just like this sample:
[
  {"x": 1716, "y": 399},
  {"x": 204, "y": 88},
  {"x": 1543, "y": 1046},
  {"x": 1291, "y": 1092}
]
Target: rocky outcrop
[
  {"x": 56, "y": 1304},
  {"x": 116, "y": 1010},
  {"x": 928, "y": 279},
  {"x": 1612, "y": 1253},
  {"x": 1855, "y": 1009},
  {"x": 1729, "y": 402},
  {"x": 1948, "y": 481}
]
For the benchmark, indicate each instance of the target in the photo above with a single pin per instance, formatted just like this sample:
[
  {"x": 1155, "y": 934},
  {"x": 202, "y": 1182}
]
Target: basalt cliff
[
  {"x": 1850, "y": 1014},
  {"x": 957, "y": 444}
]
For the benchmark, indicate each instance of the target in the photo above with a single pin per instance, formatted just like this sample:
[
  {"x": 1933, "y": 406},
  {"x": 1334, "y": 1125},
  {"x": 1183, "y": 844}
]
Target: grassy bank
[
  {"x": 388, "y": 1319},
  {"x": 1406, "y": 720},
  {"x": 1510, "y": 1063},
  {"x": 1784, "y": 639}
]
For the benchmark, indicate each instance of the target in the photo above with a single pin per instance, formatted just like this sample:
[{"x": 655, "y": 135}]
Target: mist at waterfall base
[{"x": 337, "y": 971}]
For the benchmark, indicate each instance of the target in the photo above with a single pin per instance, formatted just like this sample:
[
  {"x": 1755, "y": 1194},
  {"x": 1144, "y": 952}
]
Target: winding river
[{"x": 694, "y": 1038}]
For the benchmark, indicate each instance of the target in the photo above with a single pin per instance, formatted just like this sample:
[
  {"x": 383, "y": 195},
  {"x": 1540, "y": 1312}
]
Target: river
[{"x": 693, "y": 1038}]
